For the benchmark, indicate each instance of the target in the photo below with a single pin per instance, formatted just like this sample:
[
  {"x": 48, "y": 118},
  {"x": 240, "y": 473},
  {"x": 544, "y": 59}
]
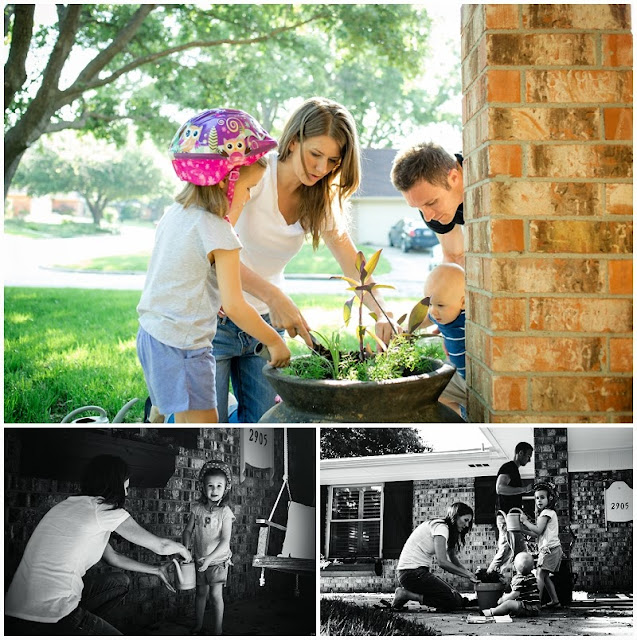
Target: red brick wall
[
  {"x": 163, "y": 511},
  {"x": 612, "y": 542},
  {"x": 547, "y": 117}
]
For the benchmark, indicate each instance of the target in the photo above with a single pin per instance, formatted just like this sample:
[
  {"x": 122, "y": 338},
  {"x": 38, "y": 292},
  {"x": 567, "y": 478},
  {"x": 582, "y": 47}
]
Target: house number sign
[
  {"x": 619, "y": 502},
  {"x": 257, "y": 449}
]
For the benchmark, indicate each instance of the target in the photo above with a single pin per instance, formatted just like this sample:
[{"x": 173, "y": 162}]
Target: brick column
[
  {"x": 547, "y": 114},
  {"x": 551, "y": 463}
]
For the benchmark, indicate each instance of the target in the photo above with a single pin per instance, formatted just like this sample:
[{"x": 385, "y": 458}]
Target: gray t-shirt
[{"x": 180, "y": 301}]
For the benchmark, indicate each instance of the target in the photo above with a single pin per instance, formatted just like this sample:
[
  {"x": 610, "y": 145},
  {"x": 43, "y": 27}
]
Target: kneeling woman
[
  {"x": 440, "y": 538},
  {"x": 49, "y": 594}
]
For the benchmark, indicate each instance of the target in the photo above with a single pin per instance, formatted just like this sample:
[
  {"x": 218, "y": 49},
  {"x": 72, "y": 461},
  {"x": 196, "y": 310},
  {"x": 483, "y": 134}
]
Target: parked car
[{"x": 411, "y": 234}]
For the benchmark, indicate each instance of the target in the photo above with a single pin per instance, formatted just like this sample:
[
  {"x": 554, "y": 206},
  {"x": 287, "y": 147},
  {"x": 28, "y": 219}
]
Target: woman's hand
[
  {"x": 384, "y": 330},
  {"x": 184, "y": 553},
  {"x": 284, "y": 314},
  {"x": 162, "y": 573}
]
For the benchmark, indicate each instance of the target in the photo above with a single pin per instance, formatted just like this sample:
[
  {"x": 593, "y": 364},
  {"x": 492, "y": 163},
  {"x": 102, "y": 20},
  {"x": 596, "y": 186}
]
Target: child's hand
[
  {"x": 279, "y": 354},
  {"x": 204, "y": 563},
  {"x": 524, "y": 518}
]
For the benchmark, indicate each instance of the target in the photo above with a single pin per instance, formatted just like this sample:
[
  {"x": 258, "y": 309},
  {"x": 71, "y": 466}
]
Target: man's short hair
[
  {"x": 425, "y": 161},
  {"x": 523, "y": 446}
]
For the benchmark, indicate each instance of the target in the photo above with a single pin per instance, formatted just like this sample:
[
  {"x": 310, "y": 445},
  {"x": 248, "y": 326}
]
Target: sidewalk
[{"x": 576, "y": 621}]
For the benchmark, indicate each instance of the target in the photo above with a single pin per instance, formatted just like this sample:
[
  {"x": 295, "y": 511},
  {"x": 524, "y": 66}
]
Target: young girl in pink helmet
[{"x": 194, "y": 267}]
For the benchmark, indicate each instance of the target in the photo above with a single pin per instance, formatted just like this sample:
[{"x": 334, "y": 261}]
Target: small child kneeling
[{"x": 524, "y": 599}]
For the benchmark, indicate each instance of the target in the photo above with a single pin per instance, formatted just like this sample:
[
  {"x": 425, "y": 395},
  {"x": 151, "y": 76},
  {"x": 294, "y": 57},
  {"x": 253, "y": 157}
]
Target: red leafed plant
[{"x": 366, "y": 286}]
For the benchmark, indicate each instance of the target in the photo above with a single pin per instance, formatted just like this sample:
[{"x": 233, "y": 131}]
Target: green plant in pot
[{"x": 398, "y": 382}]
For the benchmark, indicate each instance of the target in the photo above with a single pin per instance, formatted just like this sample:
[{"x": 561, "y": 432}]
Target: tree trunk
[
  {"x": 97, "y": 211},
  {"x": 9, "y": 172}
]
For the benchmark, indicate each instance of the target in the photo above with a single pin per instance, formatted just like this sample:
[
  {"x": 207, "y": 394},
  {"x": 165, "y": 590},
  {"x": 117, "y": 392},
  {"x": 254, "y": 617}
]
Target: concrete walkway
[
  {"x": 28, "y": 262},
  {"x": 590, "y": 621}
]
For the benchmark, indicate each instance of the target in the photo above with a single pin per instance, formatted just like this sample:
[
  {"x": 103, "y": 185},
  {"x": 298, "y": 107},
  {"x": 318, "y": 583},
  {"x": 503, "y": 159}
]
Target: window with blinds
[{"x": 355, "y": 521}]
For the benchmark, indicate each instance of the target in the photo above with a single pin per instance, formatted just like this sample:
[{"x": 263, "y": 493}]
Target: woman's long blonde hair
[{"x": 323, "y": 117}]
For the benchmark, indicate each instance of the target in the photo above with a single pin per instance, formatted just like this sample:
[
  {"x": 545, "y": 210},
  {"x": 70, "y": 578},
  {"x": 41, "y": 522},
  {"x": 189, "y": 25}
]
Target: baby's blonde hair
[
  {"x": 210, "y": 197},
  {"x": 451, "y": 272},
  {"x": 523, "y": 563}
]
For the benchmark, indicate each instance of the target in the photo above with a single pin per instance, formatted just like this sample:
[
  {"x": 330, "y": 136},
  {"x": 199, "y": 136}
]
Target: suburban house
[
  {"x": 370, "y": 505},
  {"x": 376, "y": 206}
]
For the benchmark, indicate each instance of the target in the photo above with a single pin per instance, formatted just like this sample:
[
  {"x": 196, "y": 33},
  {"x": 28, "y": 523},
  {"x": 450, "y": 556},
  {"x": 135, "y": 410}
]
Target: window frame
[{"x": 330, "y": 501}]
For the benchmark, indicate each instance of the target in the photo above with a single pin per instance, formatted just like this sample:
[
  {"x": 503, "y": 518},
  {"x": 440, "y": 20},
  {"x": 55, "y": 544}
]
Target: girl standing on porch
[
  {"x": 440, "y": 538},
  {"x": 210, "y": 529},
  {"x": 548, "y": 541}
]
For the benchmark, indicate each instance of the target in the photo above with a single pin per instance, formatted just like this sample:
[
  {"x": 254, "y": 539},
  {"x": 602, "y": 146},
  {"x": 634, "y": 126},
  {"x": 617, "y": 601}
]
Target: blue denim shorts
[{"x": 177, "y": 379}]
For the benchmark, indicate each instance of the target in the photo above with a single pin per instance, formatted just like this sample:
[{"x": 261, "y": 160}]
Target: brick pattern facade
[
  {"x": 164, "y": 511},
  {"x": 602, "y": 554},
  {"x": 431, "y": 498},
  {"x": 551, "y": 463},
  {"x": 547, "y": 115}
]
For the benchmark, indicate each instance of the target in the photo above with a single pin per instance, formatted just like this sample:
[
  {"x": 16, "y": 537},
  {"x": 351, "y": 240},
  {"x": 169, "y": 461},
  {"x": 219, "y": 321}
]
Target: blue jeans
[
  {"x": 101, "y": 594},
  {"x": 233, "y": 350},
  {"x": 434, "y": 590}
]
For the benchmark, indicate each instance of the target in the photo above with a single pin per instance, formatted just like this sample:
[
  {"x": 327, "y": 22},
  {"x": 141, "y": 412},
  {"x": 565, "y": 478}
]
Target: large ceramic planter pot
[
  {"x": 488, "y": 594},
  {"x": 409, "y": 399}
]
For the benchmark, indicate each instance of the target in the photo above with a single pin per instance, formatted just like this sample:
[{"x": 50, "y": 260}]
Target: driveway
[
  {"x": 575, "y": 621},
  {"x": 27, "y": 263}
]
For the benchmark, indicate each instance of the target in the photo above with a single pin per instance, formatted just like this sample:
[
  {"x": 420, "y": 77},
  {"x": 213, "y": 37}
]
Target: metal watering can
[
  {"x": 186, "y": 575},
  {"x": 513, "y": 519},
  {"x": 102, "y": 417}
]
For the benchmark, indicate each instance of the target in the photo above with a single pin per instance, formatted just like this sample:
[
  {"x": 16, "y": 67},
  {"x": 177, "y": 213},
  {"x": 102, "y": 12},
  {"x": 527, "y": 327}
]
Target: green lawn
[
  {"x": 306, "y": 261},
  {"x": 322, "y": 261},
  {"x": 66, "y": 348},
  {"x": 135, "y": 263},
  {"x": 65, "y": 229}
]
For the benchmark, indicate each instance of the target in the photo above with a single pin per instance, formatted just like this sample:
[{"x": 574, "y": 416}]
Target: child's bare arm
[
  {"x": 535, "y": 529},
  {"x": 243, "y": 314},
  {"x": 186, "y": 536},
  {"x": 512, "y": 595}
]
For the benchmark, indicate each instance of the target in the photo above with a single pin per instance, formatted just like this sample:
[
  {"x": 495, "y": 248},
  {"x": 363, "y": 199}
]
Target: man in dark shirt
[
  {"x": 431, "y": 181},
  {"x": 509, "y": 491}
]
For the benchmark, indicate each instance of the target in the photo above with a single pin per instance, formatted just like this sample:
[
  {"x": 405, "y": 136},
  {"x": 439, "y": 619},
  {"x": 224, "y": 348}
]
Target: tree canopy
[
  {"x": 100, "y": 67},
  {"x": 360, "y": 442},
  {"x": 101, "y": 174}
]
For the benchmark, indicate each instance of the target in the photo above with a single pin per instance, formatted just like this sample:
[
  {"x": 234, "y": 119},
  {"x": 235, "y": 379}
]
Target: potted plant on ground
[
  {"x": 400, "y": 382},
  {"x": 490, "y": 588}
]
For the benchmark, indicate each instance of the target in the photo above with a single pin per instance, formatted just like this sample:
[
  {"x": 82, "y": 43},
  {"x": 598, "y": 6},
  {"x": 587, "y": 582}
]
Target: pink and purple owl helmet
[{"x": 214, "y": 144}]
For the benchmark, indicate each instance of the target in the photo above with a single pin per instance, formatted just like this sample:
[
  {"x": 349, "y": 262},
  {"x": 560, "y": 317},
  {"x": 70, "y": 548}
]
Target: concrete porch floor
[{"x": 593, "y": 620}]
